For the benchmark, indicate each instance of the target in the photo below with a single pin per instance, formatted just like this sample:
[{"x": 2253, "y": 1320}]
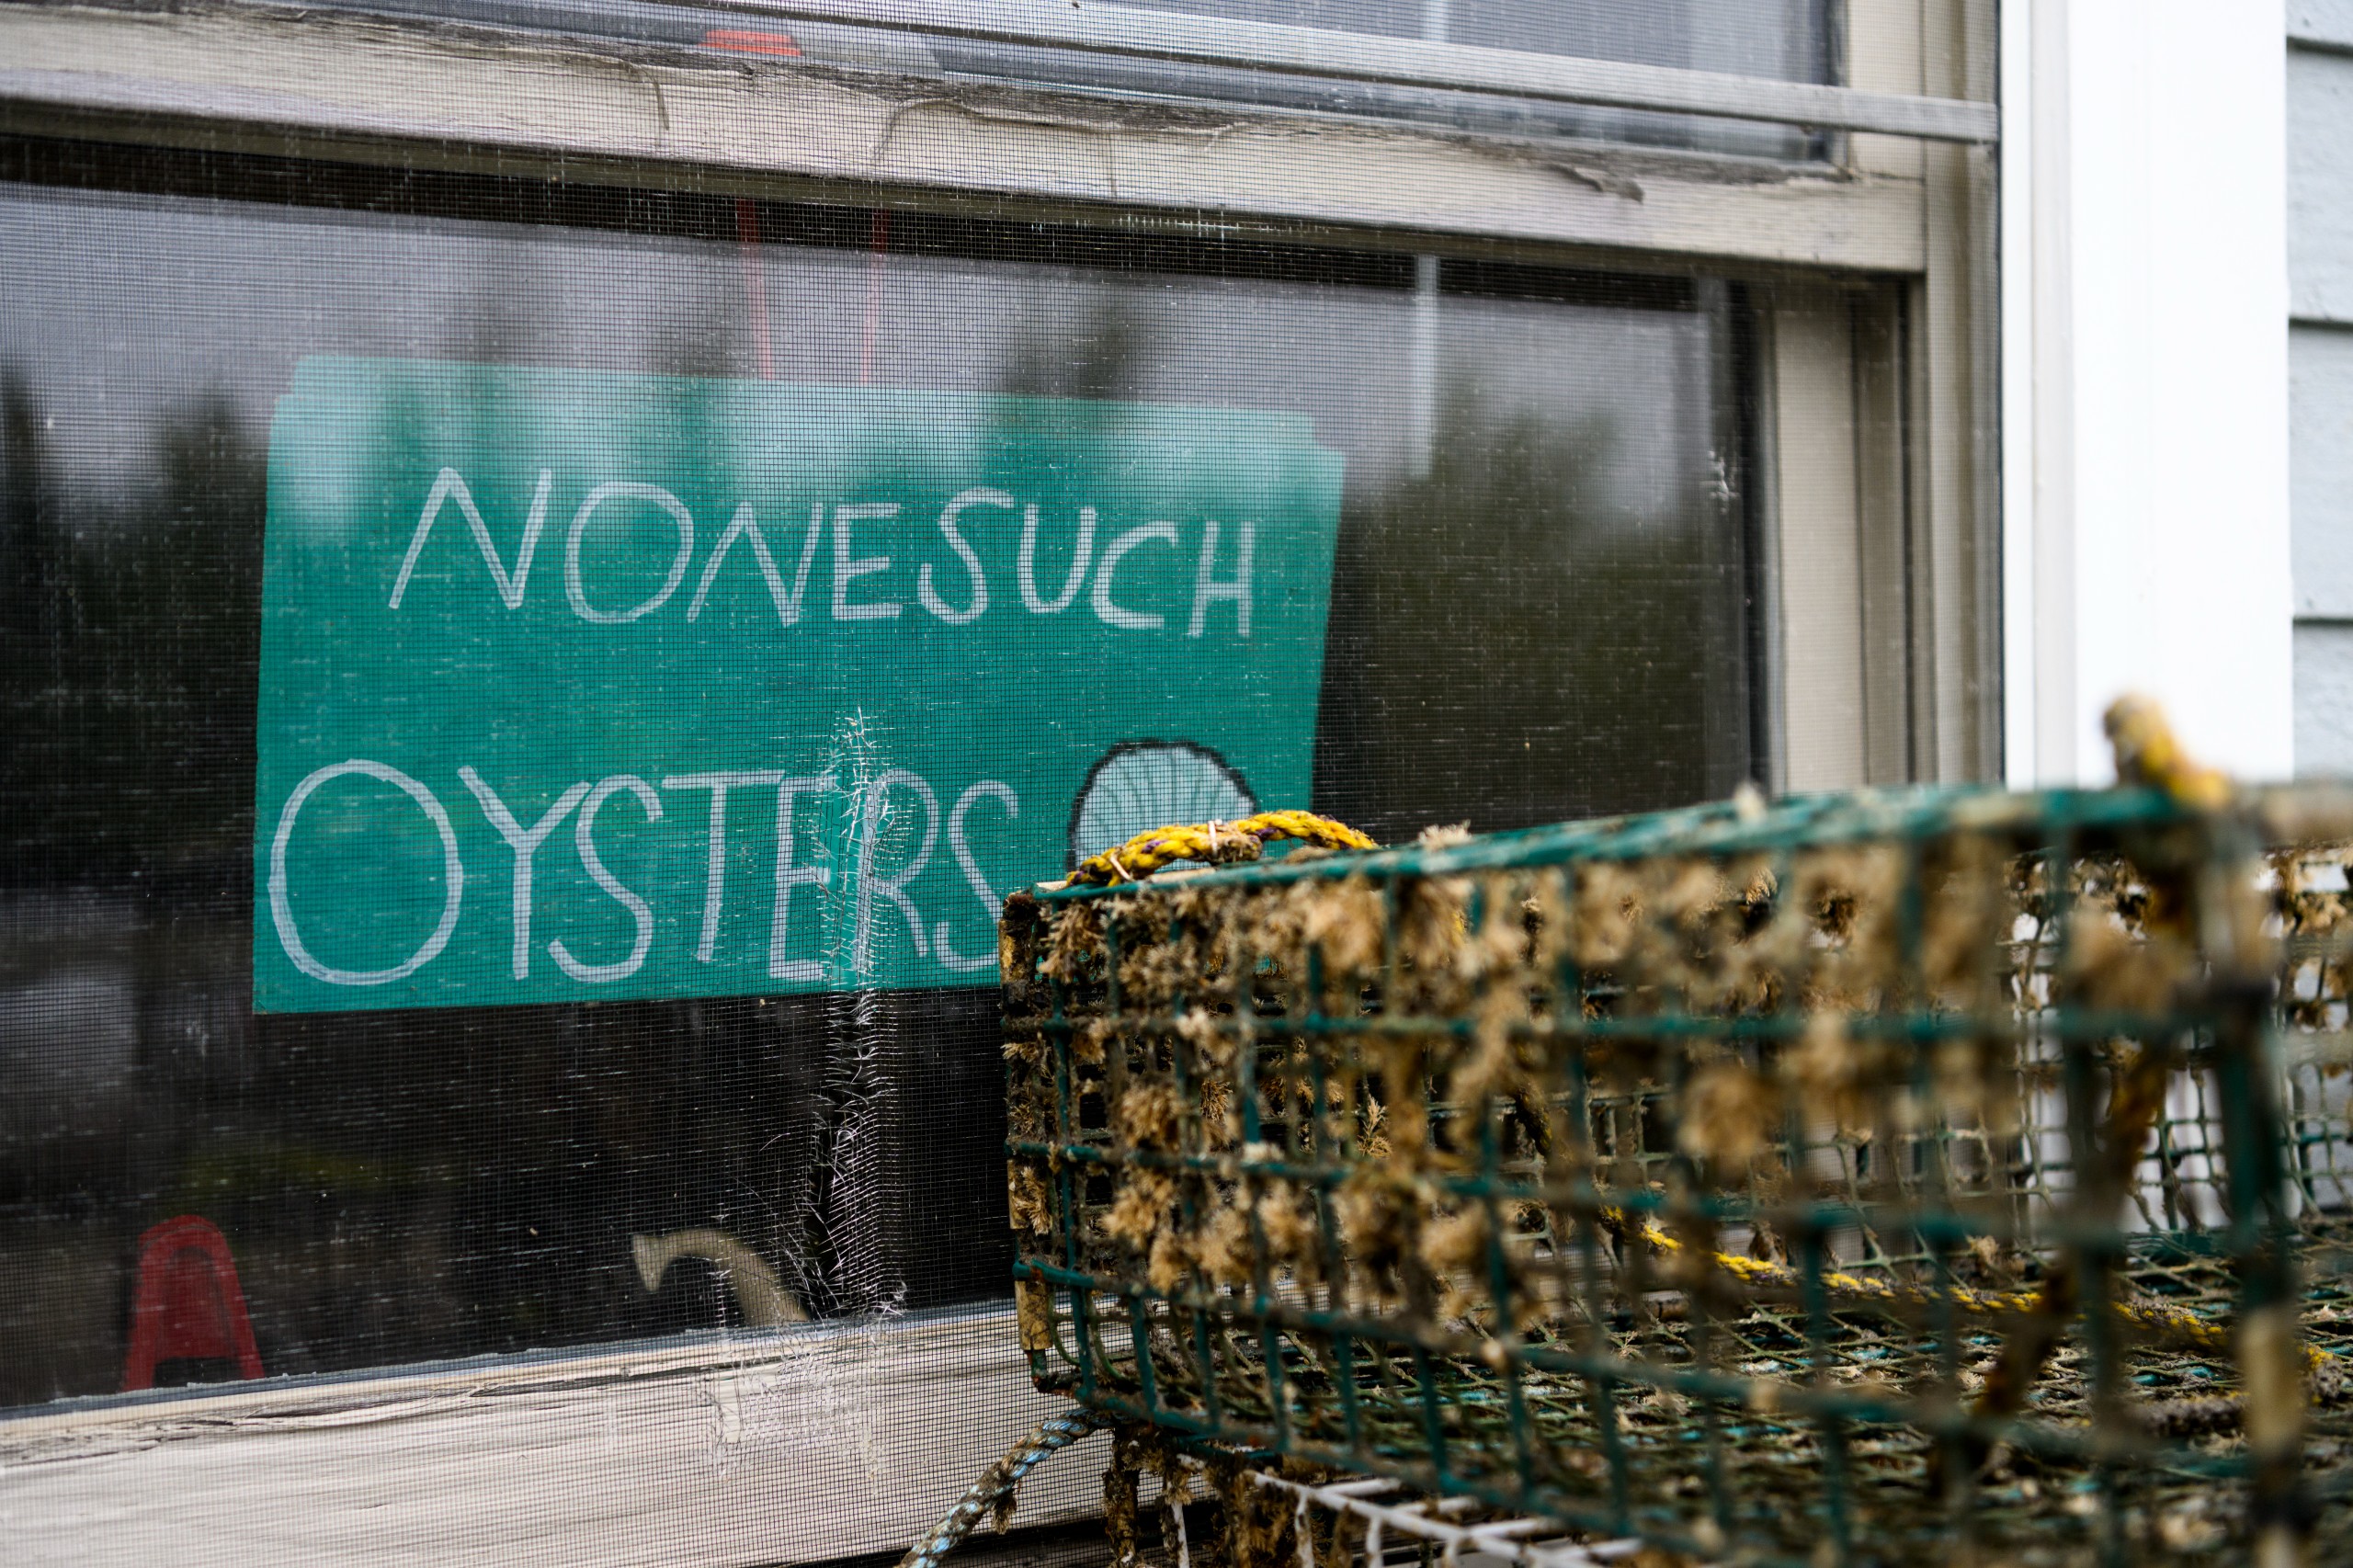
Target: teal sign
[{"x": 580, "y": 686}]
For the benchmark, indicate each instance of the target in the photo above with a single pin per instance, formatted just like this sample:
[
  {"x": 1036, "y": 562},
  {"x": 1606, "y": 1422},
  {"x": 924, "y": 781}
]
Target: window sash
[
  {"x": 1178, "y": 37},
  {"x": 350, "y": 87}
]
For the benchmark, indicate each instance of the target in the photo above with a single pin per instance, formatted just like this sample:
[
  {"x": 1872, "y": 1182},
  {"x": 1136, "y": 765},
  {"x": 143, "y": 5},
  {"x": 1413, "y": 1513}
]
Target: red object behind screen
[
  {"x": 190, "y": 1305},
  {"x": 746, "y": 41}
]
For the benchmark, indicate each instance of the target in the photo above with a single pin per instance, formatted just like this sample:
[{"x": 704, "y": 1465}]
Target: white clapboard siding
[
  {"x": 792, "y": 1445},
  {"x": 2323, "y": 22},
  {"x": 2324, "y": 699},
  {"x": 2320, "y": 467},
  {"x": 2320, "y": 184},
  {"x": 2320, "y": 375}
]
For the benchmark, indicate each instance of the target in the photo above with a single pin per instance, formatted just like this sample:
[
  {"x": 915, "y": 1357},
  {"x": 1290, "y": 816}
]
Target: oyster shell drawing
[{"x": 1141, "y": 785}]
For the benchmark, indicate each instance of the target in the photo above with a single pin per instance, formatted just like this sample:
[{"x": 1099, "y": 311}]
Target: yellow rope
[
  {"x": 2172, "y": 1324},
  {"x": 1215, "y": 843},
  {"x": 2147, "y": 752}
]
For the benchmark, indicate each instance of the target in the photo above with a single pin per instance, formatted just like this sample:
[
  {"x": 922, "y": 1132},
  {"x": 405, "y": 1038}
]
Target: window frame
[{"x": 1872, "y": 279}]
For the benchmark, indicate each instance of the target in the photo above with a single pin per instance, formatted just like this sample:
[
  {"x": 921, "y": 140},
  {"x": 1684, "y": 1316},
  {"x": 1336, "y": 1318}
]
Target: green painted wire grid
[{"x": 1816, "y": 1183}]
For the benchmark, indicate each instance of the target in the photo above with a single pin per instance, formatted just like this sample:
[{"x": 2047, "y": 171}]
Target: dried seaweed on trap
[{"x": 1889, "y": 1173}]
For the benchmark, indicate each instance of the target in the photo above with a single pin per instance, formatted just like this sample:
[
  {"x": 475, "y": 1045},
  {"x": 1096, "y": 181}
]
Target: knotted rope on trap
[{"x": 1215, "y": 843}]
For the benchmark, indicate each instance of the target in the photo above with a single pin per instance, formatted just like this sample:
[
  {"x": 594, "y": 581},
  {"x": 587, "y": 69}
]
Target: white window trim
[
  {"x": 1881, "y": 505},
  {"x": 2145, "y": 276},
  {"x": 328, "y": 84},
  {"x": 708, "y": 1449}
]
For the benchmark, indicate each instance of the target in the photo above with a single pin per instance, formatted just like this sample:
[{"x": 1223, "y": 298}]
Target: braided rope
[
  {"x": 2172, "y": 1326},
  {"x": 2148, "y": 752},
  {"x": 998, "y": 1484},
  {"x": 1213, "y": 843}
]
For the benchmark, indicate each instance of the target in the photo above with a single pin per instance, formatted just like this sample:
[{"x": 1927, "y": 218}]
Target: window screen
[{"x": 521, "y": 700}]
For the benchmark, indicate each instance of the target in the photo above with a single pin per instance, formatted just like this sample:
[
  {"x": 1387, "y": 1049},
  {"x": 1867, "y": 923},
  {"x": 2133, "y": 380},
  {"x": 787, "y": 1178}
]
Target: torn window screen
[{"x": 1533, "y": 603}]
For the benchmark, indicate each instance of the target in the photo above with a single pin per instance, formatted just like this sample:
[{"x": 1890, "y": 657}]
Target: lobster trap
[{"x": 1812, "y": 1183}]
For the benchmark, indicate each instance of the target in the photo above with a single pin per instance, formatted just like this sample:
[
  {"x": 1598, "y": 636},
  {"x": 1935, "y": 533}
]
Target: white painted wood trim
[
  {"x": 1955, "y": 406},
  {"x": 1808, "y": 351},
  {"x": 2022, "y": 240},
  {"x": 340, "y": 85},
  {"x": 794, "y": 1445},
  {"x": 2154, "y": 281},
  {"x": 1882, "y": 497}
]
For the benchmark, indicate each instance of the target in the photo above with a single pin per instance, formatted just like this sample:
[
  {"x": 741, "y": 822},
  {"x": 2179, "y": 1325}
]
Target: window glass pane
[{"x": 1483, "y": 523}]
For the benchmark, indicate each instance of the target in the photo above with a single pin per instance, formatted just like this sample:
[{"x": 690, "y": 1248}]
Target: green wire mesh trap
[{"x": 1808, "y": 1184}]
